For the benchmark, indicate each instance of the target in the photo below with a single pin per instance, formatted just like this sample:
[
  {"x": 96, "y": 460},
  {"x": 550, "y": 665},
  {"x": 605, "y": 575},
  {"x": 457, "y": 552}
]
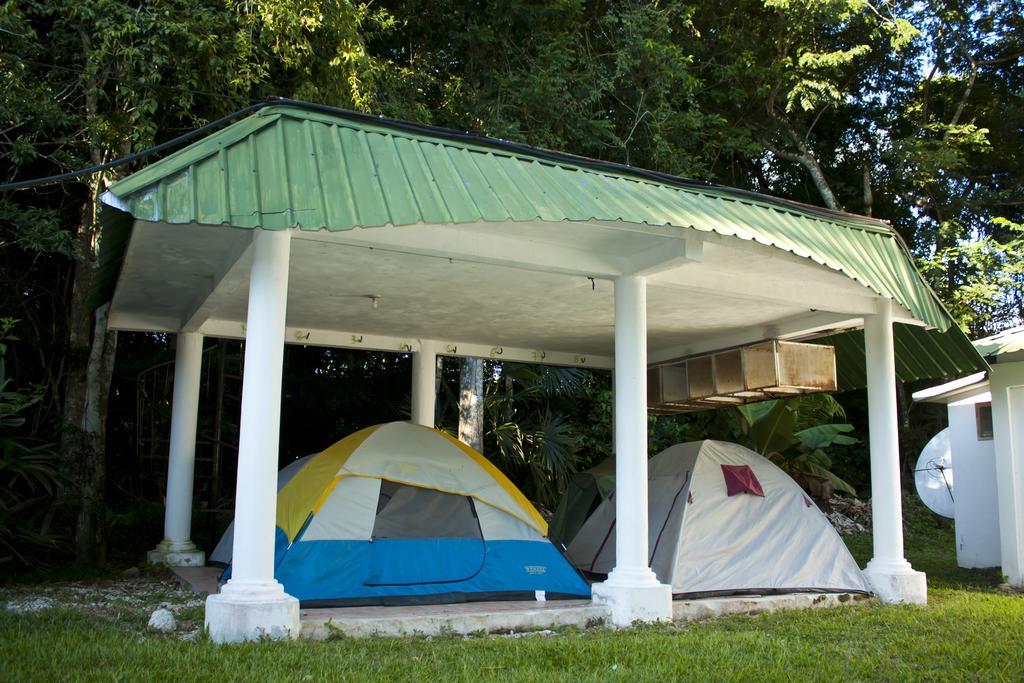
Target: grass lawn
[{"x": 969, "y": 630}]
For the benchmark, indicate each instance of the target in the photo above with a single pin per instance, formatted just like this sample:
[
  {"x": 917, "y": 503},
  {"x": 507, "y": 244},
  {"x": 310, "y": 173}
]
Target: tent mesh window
[{"x": 408, "y": 512}]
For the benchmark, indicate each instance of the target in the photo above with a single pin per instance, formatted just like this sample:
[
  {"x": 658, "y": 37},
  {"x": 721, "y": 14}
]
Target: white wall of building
[
  {"x": 1007, "y": 387},
  {"x": 974, "y": 490}
]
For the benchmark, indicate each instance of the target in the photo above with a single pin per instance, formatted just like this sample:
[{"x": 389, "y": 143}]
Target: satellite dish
[{"x": 934, "y": 475}]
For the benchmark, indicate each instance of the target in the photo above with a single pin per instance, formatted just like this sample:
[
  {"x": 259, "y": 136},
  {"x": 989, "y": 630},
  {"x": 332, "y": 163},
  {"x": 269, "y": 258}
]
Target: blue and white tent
[{"x": 399, "y": 513}]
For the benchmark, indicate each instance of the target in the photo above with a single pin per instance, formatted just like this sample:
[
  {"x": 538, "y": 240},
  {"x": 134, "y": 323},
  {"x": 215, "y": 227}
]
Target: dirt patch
[
  {"x": 127, "y": 601},
  {"x": 850, "y": 515}
]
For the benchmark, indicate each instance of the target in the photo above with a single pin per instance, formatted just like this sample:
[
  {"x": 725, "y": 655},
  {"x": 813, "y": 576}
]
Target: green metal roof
[
  {"x": 315, "y": 168},
  {"x": 286, "y": 166},
  {"x": 920, "y": 354}
]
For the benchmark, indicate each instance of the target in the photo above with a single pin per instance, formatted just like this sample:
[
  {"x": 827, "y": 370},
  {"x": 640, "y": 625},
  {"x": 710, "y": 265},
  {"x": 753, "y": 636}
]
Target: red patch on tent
[
  {"x": 807, "y": 502},
  {"x": 741, "y": 479},
  {"x": 689, "y": 498}
]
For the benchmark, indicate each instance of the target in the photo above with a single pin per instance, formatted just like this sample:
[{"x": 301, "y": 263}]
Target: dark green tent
[{"x": 586, "y": 491}]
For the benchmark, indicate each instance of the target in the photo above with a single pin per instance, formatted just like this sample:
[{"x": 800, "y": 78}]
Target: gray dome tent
[{"x": 723, "y": 519}]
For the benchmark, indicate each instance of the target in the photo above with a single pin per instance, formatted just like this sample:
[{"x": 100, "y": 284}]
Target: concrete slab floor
[
  {"x": 710, "y": 608},
  {"x": 459, "y": 619},
  {"x": 509, "y": 616}
]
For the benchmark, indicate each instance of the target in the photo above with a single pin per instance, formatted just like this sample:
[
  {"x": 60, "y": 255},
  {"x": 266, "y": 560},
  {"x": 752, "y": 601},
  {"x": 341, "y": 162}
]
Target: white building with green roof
[{"x": 986, "y": 430}]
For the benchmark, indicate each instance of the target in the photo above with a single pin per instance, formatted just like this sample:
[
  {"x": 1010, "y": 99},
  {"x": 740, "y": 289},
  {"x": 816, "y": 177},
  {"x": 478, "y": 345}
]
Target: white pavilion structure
[{"x": 281, "y": 227}]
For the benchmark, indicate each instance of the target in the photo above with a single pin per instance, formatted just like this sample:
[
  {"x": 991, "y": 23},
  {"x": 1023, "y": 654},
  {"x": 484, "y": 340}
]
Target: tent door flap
[{"x": 422, "y": 536}]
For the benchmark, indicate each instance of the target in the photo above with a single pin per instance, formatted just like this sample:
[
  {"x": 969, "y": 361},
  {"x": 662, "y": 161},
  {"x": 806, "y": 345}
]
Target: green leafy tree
[
  {"x": 91, "y": 80},
  {"x": 909, "y": 111},
  {"x": 28, "y": 473},
  {"x": 959, "y": 160},
  {"x": 800, "y": 83},
  {"x": 526, "y": 433},
  {"x": 988, "y": 271}
]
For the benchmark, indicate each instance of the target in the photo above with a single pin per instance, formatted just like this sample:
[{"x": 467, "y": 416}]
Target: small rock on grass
[
  {"x": 162, "y": 620},
  {"x": 526, "y": 634}
]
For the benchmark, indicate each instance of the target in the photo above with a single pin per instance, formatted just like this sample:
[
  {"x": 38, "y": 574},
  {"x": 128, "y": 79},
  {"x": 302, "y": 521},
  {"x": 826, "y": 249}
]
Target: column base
[
  {"x": 173, "y": 554},
  {"x": 897, "y": 583},
  {"x": 252, "y": 610},
  {"x": 634, "y": 597}
]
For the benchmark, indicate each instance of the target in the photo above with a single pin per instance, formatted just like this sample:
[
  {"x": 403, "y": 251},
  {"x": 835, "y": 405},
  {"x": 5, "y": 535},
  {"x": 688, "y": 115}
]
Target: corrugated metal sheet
[
  {"x": 289, "y": 167},
  {"x": 920, "y": 354}
]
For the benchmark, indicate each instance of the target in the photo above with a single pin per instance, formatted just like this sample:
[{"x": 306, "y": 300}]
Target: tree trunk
[
  {"x": 805, "y": 157},
  {"x": 83, "y": 440},
  {"x": 869, "y": 196},
  {"x": 817, "y": 174},
  {"x": 90, "y": 365},
  {"x": 471, "y": 403}
]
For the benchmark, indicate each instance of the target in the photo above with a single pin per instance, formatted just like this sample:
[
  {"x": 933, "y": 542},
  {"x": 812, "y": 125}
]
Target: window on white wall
[{"x": 983, "y": 418}]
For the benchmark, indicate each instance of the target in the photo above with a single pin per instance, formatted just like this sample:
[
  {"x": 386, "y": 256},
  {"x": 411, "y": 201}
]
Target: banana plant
[{"x": 791, "y": 433}]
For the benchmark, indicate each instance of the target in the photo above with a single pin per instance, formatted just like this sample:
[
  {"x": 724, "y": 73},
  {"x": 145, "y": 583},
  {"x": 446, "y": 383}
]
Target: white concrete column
[
  {"x": 424, "y": 384},
  {"x": 632, "y": 591},
  {"x": 253, "y": 604},
  {"x": 890, "y": 575},
  {"x": 177, "y": 548}
]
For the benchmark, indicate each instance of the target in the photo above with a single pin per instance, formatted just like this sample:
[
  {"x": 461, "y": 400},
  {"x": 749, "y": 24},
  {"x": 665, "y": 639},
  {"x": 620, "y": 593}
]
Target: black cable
[{"x": 71, "y": 175}]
